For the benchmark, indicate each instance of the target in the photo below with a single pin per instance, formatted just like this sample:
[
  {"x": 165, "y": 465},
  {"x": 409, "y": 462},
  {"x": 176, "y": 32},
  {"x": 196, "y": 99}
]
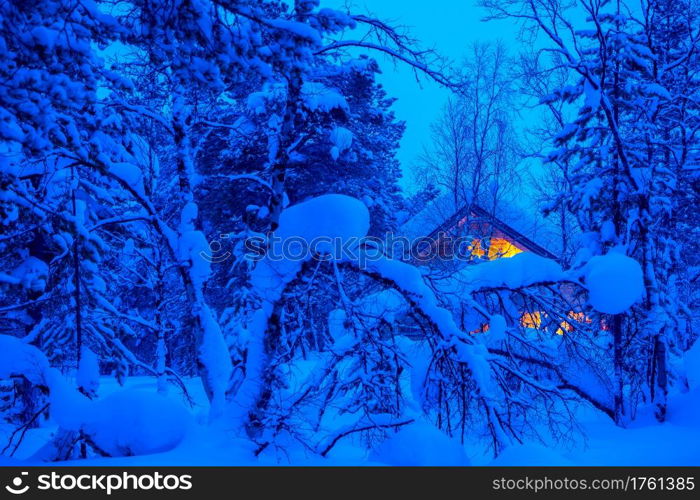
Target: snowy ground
[
  {"x": 645, "y": 442},
  {"x": 676, "y": 442}
]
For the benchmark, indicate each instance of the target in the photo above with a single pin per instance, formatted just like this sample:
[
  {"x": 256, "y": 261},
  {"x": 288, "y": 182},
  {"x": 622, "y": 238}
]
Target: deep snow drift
[{"x": 193, "y": 442}]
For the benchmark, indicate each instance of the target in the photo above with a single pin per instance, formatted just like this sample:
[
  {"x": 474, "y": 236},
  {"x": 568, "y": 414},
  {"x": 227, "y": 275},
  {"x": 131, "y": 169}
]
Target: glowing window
[
  {"x": 531, "y": 319},
  {"x": 502, "y": 248},
  {"x": 577, "y": 317},
  {"x": 498, "y": 248}
]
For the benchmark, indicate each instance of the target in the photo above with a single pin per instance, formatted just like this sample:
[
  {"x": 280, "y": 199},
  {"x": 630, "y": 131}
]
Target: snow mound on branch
[
  {"x": 134, "y": 422},
  {"x": 318, "y": 97},
  {"x": 323, "y": 224},
  {"x": 129, "y": 174},
  {"x": 330, "y": 216},
  {"x": 341, "y": 138},
  {"x": 18, "y": 358},
  {"x": 32, "y": 274},
  {"x": 614, "y": 282},
  {"x": 521, "y": 270},
  {"x": 420, "y": 444},
  {"x": 334, "y": 215}
]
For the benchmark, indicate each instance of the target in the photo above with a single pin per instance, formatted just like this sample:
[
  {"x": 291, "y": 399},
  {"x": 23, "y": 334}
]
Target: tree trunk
[
  {"x": 618, "y": 381},
  {"x": 660, "y": 386}
]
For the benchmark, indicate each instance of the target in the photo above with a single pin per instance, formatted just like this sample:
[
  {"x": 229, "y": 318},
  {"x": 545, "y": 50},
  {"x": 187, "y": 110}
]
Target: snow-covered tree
[{"x": 626, "y": 154}]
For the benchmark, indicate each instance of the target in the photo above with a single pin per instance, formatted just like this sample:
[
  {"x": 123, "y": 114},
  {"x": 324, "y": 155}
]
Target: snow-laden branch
[{"x": 408, "y": 59}]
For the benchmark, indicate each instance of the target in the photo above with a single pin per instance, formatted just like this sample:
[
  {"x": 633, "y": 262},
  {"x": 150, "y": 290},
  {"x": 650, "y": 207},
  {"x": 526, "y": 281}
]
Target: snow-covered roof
[
  {"x": 529, "y": 223},
  {"x": 431, "y": 217}
]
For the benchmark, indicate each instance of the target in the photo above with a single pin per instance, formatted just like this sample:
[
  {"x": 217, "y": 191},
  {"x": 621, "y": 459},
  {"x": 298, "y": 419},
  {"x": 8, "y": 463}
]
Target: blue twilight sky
[{"x": 449, "y": 27}]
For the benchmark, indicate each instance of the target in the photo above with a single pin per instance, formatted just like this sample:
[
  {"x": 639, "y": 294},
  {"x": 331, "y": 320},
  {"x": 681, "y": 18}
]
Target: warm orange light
[
  {"x": 578, "y": 317},
  {"x": 531, "y": 319},
  {"x": 502, "y": 248},
  {"x": 476, "y": 249},
  {"x": 564, "y": 326},
  {"x": 498, "y": 248},
  {"x": 482, "y": 329}
]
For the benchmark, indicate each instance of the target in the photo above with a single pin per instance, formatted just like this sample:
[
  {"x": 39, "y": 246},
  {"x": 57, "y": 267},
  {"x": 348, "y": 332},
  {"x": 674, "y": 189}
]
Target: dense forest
[{"x": 158, "y": 157}]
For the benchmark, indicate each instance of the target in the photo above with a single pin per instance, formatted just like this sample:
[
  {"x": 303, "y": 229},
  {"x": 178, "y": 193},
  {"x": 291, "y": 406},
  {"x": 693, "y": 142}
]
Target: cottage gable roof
[{"x": 527, "y": 228}]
